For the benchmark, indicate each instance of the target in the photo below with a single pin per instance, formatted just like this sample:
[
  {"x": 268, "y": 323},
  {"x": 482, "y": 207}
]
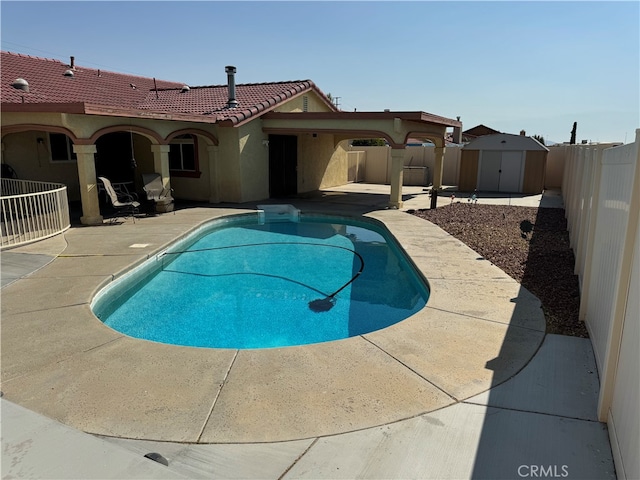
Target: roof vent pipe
[
  {"x": 72, "y": 64},
  {"x": 231, "y": 83}
]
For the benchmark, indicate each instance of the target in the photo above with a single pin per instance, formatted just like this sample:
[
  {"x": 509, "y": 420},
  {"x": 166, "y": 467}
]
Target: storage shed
[{"x": 503, "y": 163}]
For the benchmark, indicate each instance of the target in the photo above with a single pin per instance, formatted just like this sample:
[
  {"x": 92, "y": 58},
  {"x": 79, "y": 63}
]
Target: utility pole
[{"x": 336, "y": 103}]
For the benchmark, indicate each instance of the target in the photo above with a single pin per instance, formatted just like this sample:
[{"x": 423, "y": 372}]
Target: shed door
[
  {"x": 511, "y": 174},
  {"x": 500, "y": 171},
  {"x": 489, "y": 175}
]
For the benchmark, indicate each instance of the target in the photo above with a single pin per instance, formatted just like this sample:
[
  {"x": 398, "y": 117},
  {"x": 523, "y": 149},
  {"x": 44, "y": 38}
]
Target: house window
[
  {"x": 61, "y": 148},
  {"x": 183, "y": 159}
]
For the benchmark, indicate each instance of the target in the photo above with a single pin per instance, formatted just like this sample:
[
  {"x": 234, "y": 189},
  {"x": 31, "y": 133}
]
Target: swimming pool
[{"x": 245, "y": 283}]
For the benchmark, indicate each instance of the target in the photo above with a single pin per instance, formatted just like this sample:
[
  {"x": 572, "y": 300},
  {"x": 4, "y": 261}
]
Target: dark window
[
  {"x": 183, "y": 156},
  {"x": 61, "y": 148}
]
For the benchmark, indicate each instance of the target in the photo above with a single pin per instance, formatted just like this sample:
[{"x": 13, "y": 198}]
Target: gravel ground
[{"x": 529, "y": 244}]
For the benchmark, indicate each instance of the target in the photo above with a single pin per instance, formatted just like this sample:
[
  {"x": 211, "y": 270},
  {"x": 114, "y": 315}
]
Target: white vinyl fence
[
  {"x": 601, "y": 190},
  {"x": 32, "y": 211},
  {"x": 356, "y": 165}
]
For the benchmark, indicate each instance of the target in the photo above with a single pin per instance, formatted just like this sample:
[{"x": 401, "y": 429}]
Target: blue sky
[{"x": 537, "y": 66}]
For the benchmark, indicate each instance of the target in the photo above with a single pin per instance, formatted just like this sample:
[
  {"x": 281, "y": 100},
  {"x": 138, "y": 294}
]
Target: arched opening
[
  {"x": 115, "y": 157},
  {"x": 122, "y": 157}
]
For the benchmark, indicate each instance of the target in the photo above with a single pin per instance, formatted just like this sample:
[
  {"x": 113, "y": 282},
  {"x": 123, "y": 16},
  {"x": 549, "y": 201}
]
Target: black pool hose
[{"x": 318, "y": 305}]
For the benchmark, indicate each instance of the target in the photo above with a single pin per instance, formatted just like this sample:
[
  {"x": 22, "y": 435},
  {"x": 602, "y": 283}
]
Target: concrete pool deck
[{"x": 300, "y": 410}]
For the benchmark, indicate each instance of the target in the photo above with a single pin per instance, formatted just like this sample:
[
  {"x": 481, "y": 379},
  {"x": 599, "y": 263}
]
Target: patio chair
[
  {"x": 157, "y": 192},
  {"x": 122, "y": 202}
]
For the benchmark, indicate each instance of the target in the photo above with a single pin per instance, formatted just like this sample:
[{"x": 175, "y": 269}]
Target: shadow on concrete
[{"x": 542, "y": 422}]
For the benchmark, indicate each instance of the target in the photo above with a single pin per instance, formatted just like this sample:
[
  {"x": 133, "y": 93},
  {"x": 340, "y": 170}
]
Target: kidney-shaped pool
[{"x": 242, "y": 282}]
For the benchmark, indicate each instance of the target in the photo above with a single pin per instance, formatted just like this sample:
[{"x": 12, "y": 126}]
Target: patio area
[{"x": 470, "y": 387}]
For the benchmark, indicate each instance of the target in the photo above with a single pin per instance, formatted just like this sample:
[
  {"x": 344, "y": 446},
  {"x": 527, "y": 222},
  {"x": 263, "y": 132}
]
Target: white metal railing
[{"x": 32, "y": 211}]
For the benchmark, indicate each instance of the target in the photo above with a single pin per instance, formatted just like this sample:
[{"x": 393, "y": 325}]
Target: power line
[
  {"x": 31, "y": 48},
  {"x": 61, "y": 56}
]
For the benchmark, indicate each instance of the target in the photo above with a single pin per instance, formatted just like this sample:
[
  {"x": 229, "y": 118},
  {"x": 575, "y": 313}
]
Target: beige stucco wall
[
  {"x": 244, "y": 175},
  {"x": 194, "y": 188},
  {"x": 254, "y": 162},
  {"x": 242, "y": 158},
  {"x": 32, "y": 161},
  {"x": 337, "y": 170},
  {"x": 22, "y": 149},
  {"x": 229, "y": 166},
  {"x": 314, "y": 104},
  {"x": 320, "y": 163}
]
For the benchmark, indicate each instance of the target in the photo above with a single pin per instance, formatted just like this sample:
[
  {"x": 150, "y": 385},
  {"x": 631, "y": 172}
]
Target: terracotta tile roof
[
  {"x": 211, "y": 100},
  {"x": 48, "y": 84}
]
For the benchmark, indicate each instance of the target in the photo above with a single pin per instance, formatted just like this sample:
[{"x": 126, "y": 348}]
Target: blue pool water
[{"x": 251, "y": 285}]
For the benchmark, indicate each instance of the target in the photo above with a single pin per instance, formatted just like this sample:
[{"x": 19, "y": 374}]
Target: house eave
[
  {"x": 74, "y": 107},
  {"x": 92, "y": 109},
  {"x": 267, "y": 106},
  {"x": 82, "y": 108},
  {"x": 421, "y": 117}
]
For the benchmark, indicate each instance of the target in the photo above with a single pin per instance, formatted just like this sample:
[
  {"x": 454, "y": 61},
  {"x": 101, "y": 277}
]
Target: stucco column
[
  {"x": 161, "y": 163},
  {"x": 397, "y": 169},
  {"x": 214, "y": 182},
  {"x": 88, "y": 184},
  {"x": 438, "y": 167}
]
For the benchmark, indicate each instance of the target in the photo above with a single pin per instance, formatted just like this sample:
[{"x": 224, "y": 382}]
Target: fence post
[{"x": 590, "y": 234}]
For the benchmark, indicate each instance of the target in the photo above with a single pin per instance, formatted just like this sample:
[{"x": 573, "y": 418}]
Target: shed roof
[{"x": 505, "y": 141}]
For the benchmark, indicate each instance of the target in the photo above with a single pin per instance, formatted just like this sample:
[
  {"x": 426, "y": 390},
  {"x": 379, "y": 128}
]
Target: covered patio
[{"x": 395, "y": 127}]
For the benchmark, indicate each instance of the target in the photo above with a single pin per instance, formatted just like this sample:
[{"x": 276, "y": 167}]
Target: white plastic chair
[
  {"x": 122, "y": 202},
  {"x": 156, "y": 191}
]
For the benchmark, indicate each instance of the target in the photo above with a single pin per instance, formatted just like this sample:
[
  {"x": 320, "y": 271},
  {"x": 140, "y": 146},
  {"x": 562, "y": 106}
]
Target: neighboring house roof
[
  {"x": 97, "y": 91},
  {"x": 505, "y": 141},
  {"x": 478, "y": 131},
  {"x": 415, "y": 142}
]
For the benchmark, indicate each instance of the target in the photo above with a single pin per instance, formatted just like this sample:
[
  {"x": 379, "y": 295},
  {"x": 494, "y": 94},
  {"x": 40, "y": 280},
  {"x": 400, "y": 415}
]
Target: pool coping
[{"x": 479, "y": 328}]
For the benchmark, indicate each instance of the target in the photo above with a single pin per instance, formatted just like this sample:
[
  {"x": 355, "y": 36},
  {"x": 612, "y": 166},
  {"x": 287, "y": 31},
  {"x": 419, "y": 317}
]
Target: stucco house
[
  {"x": 222, "y": 143},
  {"x": 503, "y": 163}
]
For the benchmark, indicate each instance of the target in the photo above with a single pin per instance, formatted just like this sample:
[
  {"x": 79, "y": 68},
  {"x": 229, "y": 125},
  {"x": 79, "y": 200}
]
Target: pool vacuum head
[{"x": 322, "y": 304}]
